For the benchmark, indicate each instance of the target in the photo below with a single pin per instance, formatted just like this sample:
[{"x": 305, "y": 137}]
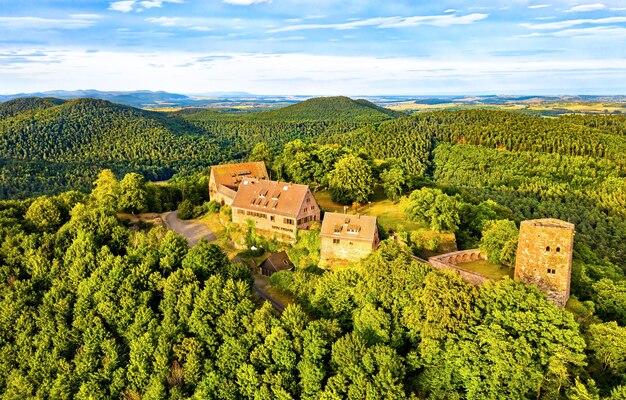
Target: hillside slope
[
  {"x": 308, "y": 120},
  {"x": 81, "y": 136},
  {"x": 15, "y": 107}
]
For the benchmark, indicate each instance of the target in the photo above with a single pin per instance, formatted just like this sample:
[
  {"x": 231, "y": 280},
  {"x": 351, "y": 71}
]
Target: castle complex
[
  {"x": 544, "y": 251},
  {"x": 544, "y": 257}
]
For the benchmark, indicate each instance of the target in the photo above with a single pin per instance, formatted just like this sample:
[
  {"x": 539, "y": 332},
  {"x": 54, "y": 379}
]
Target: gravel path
[{"x": 192, "y": 231}]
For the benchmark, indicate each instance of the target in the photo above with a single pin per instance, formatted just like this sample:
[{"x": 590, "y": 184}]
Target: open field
[
  {"x": 390, "y": 214},
  {"x": 484, "y": 267},
  {"x": 560, "y": 107}
]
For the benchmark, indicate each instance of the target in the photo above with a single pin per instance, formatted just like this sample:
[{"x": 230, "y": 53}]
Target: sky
[{"x": 315, "y": 47}]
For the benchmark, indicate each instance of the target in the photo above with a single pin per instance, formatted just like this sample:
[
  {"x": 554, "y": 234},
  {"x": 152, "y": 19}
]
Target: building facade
[
  {"x": 277, "y": 207},
  {"x": 544, "y": 257},
  {"x": 226, "y": 178},
  {"x": 347, "y": 237}
]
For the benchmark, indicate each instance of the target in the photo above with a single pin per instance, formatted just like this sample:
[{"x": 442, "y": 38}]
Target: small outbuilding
[{"x": 276, "y": 262}]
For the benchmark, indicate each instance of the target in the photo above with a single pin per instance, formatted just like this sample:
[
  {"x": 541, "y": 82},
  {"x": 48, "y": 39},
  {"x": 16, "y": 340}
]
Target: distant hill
[
  {"x": 139, "y": 98},
  {"x": 331, "y": 109}
]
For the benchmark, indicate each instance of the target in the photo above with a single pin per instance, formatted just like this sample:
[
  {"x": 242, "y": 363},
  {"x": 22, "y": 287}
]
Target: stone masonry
[{"x": 544, "y": 257}]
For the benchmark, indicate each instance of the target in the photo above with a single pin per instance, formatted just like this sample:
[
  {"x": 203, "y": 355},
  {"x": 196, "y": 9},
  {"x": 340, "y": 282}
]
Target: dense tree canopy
[
  {"x": 351, "y": 180},
  {"x": 90, "y": 309},
  {"x": 499, "y": 241},
  {"x": 439, "y": 210}
]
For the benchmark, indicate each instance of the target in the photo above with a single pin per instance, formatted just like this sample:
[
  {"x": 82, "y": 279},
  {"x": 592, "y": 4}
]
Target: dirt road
[{"x": 192, "y": 231}]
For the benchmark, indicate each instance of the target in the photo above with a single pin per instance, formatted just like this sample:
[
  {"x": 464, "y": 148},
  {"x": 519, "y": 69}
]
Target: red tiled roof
[
  {"x": 231, "y": 175},
  {"x": 349, "y": 226},
  {"x": 270, "y": 196}
]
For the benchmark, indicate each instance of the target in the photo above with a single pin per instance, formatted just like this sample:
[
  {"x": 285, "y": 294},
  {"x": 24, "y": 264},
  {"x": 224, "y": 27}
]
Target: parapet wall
[{"x": 449, "y": 262}]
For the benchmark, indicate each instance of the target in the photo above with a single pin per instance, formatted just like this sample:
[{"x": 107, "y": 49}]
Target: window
[
  {"x": 551, "y": 271},
  {"x": 256, "y": 214},
  {"x": 288, "y": 221},
  {"x": 336, "y": 241},
  {"x": 272, "y": 218},
  {"x": 558, "y": 249},
  {"x": 548, "y": 248},
  {"x": 240, "y": 211}
]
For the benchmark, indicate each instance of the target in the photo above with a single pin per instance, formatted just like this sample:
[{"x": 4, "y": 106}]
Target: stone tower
[{"x": 544, "y": 257}]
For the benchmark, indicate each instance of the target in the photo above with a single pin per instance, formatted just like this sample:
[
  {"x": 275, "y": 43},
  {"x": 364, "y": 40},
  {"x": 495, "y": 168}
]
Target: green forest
[{"x": 93, "y": 309}]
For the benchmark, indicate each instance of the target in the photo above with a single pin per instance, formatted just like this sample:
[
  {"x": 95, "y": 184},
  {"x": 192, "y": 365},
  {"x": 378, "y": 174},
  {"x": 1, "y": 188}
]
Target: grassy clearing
[
  {"x": 484, "y": 267},
  {"x": 390, "y": 216}
]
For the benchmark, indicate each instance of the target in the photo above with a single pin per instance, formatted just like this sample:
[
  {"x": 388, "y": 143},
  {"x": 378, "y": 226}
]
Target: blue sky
[{"x": 315, "y": 47}]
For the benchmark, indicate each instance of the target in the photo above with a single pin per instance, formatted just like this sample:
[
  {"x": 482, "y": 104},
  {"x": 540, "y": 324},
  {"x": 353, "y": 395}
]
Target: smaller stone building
[
  {"x": 278, "y": 207},
  {"x": 347, "y": 237},
  {"x": 544, "y": 257},
  {"x": 226, "y": 178},
  {"x": 275, "y": 263}
]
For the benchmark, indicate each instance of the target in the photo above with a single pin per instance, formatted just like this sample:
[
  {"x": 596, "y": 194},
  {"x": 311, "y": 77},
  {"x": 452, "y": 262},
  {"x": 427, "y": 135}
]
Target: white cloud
[
  {"x": 200, "y": 29},
  {"x": 451, "y": 10},
  {"x": 151, "y": 4},
  {"x": 574, "y": 22},
  {"x": 587, "y": 7},
  {"x": 391, "y": 22},
  {"x": 36, "y": 23},
  {"x": 122, "y": 6},
  {"x": 164, "y": 21},
  {"x": 85, "y": 16},
  {"x": 130, "y": 5},
  {"x": 540, "y": 6},
  {"x": 307, "y": 74},
  {"x": 596, "y": 31},
  {"x": 246, "y": 2}
]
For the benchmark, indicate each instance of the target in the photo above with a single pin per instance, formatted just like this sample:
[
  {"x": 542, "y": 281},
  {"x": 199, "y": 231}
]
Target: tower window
[
  {"x": 547, "y": 248},
  {"x": 551, "y": 271},
  {"x": 558, "y": 249}
]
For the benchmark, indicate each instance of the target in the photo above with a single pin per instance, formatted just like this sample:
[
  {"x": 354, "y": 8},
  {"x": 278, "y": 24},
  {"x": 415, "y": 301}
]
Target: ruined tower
[{"x": 544, "y": 257}]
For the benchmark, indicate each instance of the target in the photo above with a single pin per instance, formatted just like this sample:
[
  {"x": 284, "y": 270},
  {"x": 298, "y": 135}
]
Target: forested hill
[
  {"x": 15, "y": 107},
  {"x": 318, "y": 109},
  {"x": 308, "y": 120},
  {"x": 48, "y": 147},
  {"x": 331, "y": 109}
]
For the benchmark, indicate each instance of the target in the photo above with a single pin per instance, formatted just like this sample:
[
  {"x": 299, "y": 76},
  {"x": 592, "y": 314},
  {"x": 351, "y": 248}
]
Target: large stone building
[
  {"x": 347, "y": 237},
  {"x": 544, "y": 257},
  {"x": 275, "y": 206},
  {"x": 226, "y": 178}
]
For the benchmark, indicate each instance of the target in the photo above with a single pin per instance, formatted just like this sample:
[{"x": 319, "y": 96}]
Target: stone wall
[
  {"x": 345, "y": 249},
  {"x": 448, "y": 262}
]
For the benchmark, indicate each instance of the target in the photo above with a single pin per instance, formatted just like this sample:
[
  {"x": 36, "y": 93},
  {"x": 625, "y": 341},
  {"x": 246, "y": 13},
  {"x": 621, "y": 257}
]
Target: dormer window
[
  {"x": 337, "y": 229},
  {"x": 354, "y": 229}
]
